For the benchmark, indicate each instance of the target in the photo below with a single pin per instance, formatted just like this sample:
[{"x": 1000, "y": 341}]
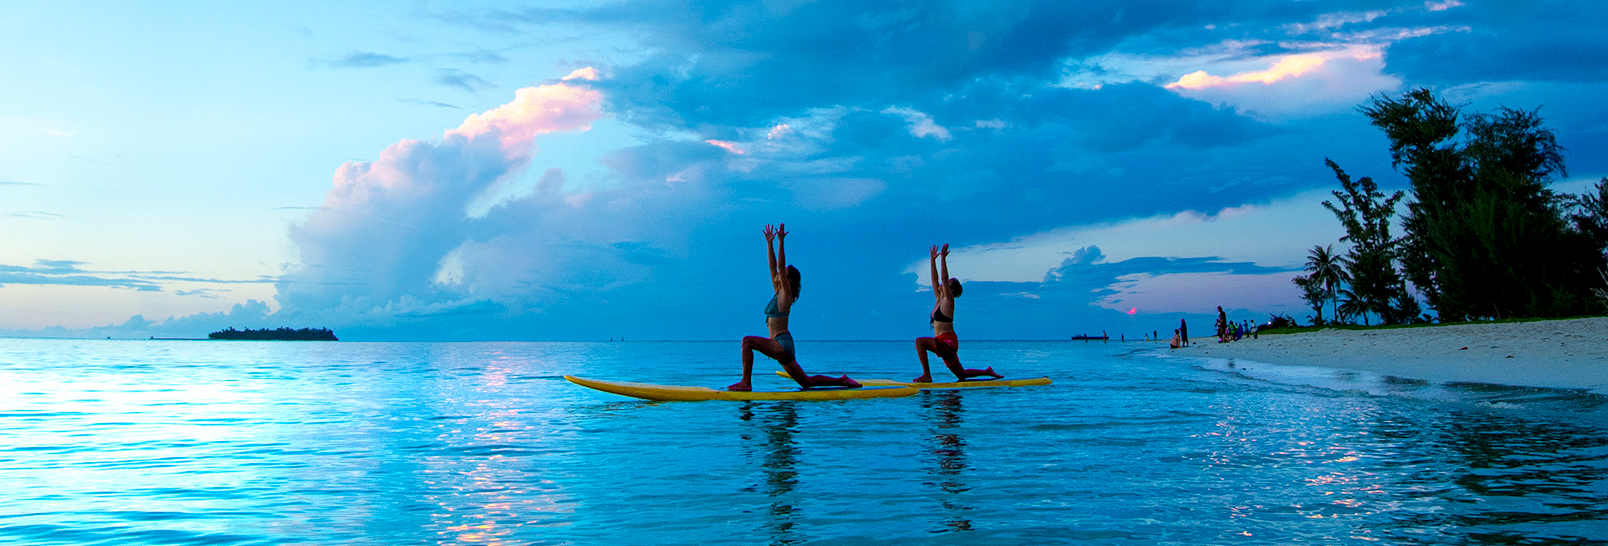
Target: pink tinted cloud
[
  {"x": 387, "y": 226},
  {"x": 1287, "y": 67},
  {"x": 1198, "y": 292},
  {"x": 726, "y": 145},
  {"x": 534, "y": 111},
  {"x": 512, "y": 126}
]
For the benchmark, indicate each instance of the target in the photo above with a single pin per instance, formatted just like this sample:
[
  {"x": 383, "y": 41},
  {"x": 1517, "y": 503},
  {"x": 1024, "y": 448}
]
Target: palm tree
[
  {"x": 1350, "y": 307},
  {"x": 1329, "y": 269}
]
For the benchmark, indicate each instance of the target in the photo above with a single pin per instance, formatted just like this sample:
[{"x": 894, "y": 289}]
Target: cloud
[
  {"x": 1283, "y": 229},
  {"x": 424, "y": 102},
  {"x": 727, "y": 146},
  {"x": 1333, "y": 83},
  {"x": 1517, "y": 41},
  {"x": 379, "y": 241},
  {"x": 463, "y": 80},
  {"x": 366, "y": 59},
  {"x": 921, "y": 124},
  {"x": 737, "y": 66},
  {"x": 1289, "y": 66},
  {"x": 1039, "y": 138},
  {"x": 68, "y": 273},
  {"x": 35, "y": 215}
]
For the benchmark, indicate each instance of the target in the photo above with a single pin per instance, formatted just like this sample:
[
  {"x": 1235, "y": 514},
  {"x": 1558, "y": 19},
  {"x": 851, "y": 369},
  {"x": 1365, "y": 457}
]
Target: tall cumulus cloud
[{"x": 382, "y": 237}]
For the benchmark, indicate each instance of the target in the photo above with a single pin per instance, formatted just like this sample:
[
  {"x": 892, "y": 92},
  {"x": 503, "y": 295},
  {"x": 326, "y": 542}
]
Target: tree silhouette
[
  {"x": 1366, "y": 214},
  {"x": 1328, "y": 270},
  {"x": 1485, "y": 237}
]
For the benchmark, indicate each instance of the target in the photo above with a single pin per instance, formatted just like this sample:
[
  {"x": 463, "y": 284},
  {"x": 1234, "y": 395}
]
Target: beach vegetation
[
  {"x": 1590, "y": 215},
  {"x": 277, "y": 334},
  {"x": 1313, "y": 294},
  {"x": 1328, "y": 271},
  {"x": 1484, "y": 235},
  {"x": 1375, "y": 287},
  {"x": 1296, "y": 329}
]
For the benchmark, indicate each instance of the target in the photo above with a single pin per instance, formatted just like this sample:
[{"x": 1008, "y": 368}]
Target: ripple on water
[{"x": 173, "y": 442}]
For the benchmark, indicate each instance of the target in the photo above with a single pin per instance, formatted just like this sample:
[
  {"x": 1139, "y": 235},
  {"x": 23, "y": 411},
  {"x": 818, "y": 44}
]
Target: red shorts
[{"x": 948, "y": 344}]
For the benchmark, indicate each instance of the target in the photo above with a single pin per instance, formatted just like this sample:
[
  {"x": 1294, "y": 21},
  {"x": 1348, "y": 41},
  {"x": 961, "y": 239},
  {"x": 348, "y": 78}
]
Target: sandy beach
[{"x": 1564, "y": 354}]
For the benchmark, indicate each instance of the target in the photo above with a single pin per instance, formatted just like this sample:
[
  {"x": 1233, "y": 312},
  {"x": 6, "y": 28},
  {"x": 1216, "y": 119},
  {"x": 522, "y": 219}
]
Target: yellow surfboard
[
  {"x": 648, "y": 391},
  {"x": 975, "y": 383}
]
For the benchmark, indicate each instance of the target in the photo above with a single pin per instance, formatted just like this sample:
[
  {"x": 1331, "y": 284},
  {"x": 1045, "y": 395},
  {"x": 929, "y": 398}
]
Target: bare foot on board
[
  {"x": 850, "y": 383},
  {"x": 741, "y": 386},
  {"x": 923, "y": 379}
]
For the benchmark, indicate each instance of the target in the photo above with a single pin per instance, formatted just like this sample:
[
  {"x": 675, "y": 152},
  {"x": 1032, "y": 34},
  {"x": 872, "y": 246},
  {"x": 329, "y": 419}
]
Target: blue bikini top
[{"x": 770, "y": 309}]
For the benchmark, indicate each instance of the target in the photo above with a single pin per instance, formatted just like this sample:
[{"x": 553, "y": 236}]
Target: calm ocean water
[{"x": 173, "y": 442}]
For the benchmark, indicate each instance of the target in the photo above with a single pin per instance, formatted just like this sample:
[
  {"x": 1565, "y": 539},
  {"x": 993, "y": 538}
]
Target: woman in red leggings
[{"x": 944, "y": 343}]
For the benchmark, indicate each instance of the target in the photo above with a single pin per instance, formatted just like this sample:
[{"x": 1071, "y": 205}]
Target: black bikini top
[{"x": 939, "y": 316}]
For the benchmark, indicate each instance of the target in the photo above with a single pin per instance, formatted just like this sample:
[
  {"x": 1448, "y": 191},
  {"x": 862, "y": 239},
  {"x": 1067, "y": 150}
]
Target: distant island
[{"x": 277, "y": 334}]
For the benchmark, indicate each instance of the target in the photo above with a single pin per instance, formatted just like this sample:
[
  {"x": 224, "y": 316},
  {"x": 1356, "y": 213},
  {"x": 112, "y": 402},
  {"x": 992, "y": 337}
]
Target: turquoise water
[{"x": 172, "y": 442}]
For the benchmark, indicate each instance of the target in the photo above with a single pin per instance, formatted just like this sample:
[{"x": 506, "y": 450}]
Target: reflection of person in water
[
  {"x": 779, "y": 464},
  {"x": 950, "y": 449}
]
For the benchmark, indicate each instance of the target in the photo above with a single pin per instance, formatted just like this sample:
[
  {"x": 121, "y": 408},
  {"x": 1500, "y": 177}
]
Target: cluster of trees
[
  {"x": 1485, "y": 236},
  {"x": 278, "y": 334}
]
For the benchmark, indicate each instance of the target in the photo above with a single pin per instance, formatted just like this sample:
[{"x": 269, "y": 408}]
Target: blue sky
[{"x": 587, "y": 170}]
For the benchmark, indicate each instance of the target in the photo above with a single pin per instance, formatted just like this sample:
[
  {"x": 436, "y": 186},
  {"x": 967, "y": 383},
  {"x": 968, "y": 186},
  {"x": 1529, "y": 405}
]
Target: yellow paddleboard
[
  {"x": 648, "y": 391},
  {"x": 952, "y": 384}
]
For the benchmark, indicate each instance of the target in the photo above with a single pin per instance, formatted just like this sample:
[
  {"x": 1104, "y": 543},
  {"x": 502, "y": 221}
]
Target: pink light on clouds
[
  {"x": 513, "y": 126},
  {"x": 1291, "y": 66},
  {"x": 1294, "y": 86},
  {"x": 726, "y": 145},
  {"x": 387, "y": 227},
  {"x": 534, "y": 111},
  {"x": 1182, "y": 293}
]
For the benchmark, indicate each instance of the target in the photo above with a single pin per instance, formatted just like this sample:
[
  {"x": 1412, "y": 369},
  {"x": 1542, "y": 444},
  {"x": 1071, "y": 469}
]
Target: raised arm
[
  {"x": 781, "y": 248},
  {"x": 932, "y": 262},
  {"x": 770, "y": 251},
  {"x": 943, "y": 263}
]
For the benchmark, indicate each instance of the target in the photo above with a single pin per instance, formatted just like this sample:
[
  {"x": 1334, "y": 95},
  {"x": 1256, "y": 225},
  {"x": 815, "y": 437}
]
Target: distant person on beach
[
  {"x": 1175, "y": 341},
  {"x": 786, "y": 281},
  {"x": 1183, "y": 331},
  {"x": 944, "y": 343},
  {"x": 1222, "y": 325}
]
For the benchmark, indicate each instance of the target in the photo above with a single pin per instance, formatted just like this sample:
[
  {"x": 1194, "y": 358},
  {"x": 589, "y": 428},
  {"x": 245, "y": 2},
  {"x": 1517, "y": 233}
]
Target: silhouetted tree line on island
[
  {"x": 1485, "y": 237},
  {"x": 277, "y": 334}
]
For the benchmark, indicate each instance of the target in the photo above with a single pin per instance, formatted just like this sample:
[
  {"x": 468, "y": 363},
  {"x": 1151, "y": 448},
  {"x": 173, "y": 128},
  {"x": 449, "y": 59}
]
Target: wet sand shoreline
[{"x": 1562, "y": 354}]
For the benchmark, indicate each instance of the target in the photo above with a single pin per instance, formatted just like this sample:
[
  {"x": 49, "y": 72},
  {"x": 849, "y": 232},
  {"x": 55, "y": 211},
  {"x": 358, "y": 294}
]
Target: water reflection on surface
[
  {"x": 1517, "y": 480},
  {"x": 260, "y": 443},
  {"x": 944, "y": 412},
  {"x": 777, "y": 458}
]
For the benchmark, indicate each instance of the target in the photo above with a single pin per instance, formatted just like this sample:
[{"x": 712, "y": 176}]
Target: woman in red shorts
[{"x": 944, "y": 343}]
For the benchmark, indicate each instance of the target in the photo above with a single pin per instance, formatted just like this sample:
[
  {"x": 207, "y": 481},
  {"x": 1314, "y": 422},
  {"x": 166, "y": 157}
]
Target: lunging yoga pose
[
  {"x": 786, "y": 280},
  {"x": 944, "y": 343}
]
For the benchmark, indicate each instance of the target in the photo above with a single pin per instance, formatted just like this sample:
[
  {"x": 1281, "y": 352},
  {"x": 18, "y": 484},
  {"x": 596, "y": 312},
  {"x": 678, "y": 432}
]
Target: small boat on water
[{"x": 1101, "y": 337}]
